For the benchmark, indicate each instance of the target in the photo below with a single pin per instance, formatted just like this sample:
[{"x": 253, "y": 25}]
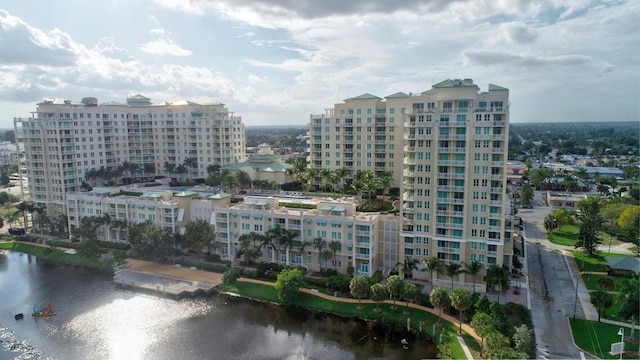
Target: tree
[
  {"x": 198, "y": 235},
  {"x": 190, "y": 163},
  {"x": 591, "y": 223},
  {"x": 452, "y": 269},
  {"x": 288, "y": 285},
  {"x": 335, "y": 246},
  {"x": 244, "y": 180},
  {"x": 378, "y": 293},
  {"x": 181, "y": 170},
  {"x": 150, "y": 242},
  {"x": 394, "y": 287},
  {"x": 407, "y": 266},
  {"x": 629, "y": 294},
  {"x": 495, "y": 341},
  {"x": 324, "y": 255},
  {"x": 229, "y": 181},
  {"x": 169, "y": 168},
  {"x": 602, "y": 300},
  {"x": 473, "y": 269},
  {"x": 410, "y": 291},
  {"x": 497, "y": 275},
  {"x": 439, "y": 299},
  {"x": 385, "y": 180},
  {"x": 527, "y": 194},
  {"x": 606, "y": 283},
  {"x": 231, "y": 276},
  {"x": 149, "y": 169},
  {"x": 461, "y": 301},
  {"x": 523, "y": 339},
  {"x": 432, "y": 265},
  {"x": 482, "y": 323},
  {"x": 359, "y": 287}
]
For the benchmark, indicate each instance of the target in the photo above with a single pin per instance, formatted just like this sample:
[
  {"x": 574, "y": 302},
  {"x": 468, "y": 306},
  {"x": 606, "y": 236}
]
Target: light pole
[{"x": 621, "y": 333}]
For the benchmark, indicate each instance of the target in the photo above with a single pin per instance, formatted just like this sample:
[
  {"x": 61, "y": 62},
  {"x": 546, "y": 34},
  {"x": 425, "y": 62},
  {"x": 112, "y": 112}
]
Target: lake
[{"x": 97, "y": 320}]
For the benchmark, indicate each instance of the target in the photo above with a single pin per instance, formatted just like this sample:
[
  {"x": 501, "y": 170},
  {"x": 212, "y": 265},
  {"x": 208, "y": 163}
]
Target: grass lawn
[
  {"x": 591, "y": 281},
  {"x": 367, "y": 311},
  {"x": 566, "y": 235},
  {"x": 594, "y": 262},
  {"x": 50, "y": 254},
  {"x": 596, "y": 338}
]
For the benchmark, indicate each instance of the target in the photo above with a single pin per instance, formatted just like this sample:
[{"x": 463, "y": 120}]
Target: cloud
[
  {"x": 499, "y": 58},
  {"x": 23, "y": 44},
  {"x": 164, "y": 45}
]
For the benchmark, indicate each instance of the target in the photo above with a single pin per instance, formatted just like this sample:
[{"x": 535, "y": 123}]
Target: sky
[{"x": 276, "y": 62}]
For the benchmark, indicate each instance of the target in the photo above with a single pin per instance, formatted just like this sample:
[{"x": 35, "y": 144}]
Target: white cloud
[{"x": 164, "y": 47}]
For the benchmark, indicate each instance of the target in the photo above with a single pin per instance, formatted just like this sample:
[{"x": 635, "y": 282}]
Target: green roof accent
[
  {"x": 366, "y": 96},
  {"x": 493, "y": 87},
  {"x": 430, "y": 92},
  {"x": 397, "y": 95},
  {"x": 112, "y": 103},
  {"x": 455, "y": 83}
]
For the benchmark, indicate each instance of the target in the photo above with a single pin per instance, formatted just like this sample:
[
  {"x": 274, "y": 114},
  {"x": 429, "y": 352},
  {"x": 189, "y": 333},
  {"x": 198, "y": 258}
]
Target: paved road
[{"x": 552, "y": 289}]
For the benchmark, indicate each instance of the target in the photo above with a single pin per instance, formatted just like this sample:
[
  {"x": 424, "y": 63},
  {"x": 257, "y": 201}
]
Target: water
[{"x": 96, "y": 320}]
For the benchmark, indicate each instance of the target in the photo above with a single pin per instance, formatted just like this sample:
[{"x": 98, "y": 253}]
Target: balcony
[
  {"x": 409, "y": 136},
  {"x": 449, "y": 250},
  {"x": 408, "y": 173},
  {"x": 497, "y": 150},
  {"x": 409, "y": 161},
  {"x": 363, "y": 256},
  {"x": 497, "y": 177},
  {"x": 409, "y": 124},
  {"x": 408, "y": 185},
  {"x": 409, "y": 148}
]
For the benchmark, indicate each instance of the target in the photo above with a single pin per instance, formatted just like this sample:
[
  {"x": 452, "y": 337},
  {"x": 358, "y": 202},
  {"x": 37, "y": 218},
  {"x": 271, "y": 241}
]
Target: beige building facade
[{"x": 65, "y": 140}]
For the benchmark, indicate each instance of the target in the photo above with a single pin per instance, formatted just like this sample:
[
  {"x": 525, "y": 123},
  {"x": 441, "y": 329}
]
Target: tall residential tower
[
  {"x": 65, "y": 141},
  {"x": 447, "y": 150}
]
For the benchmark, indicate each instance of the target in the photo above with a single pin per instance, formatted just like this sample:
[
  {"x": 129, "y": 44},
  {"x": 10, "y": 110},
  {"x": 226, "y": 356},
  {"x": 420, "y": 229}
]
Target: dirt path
[{"x": 182, "y": 272}]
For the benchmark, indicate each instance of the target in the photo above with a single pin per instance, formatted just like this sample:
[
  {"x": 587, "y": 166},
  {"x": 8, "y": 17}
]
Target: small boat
[
  {"x": 18, "y": 316},
  {"x": 43, "y": 312}
]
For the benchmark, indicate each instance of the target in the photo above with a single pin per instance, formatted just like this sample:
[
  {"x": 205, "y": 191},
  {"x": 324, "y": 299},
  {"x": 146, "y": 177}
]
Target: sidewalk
[{"x": 590, "y": 312}]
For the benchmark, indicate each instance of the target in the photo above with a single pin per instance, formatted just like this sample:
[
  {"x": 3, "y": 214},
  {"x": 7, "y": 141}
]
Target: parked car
[{"x": 17, "y": 231}]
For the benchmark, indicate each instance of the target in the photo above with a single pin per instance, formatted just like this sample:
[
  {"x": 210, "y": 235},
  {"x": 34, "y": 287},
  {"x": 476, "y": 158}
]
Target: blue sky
[{"x": 275, "y": 62}]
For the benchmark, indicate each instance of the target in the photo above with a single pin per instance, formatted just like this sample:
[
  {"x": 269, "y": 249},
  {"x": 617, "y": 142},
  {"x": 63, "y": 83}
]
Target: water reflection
[{"x": 97, "y": 321}]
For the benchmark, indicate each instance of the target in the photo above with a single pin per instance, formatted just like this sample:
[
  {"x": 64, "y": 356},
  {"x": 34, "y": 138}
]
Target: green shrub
[{"x": 377, "y": 276}]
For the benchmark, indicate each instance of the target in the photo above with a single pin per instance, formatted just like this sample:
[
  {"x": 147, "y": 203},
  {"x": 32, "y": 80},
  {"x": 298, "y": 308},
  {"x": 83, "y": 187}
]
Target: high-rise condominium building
[
  {"x": 447, "y": 151},
  {"x": 65, "y": 141}
]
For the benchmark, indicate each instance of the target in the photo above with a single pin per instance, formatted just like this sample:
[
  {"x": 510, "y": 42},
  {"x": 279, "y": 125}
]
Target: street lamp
[{"x": 621, "y": 333}]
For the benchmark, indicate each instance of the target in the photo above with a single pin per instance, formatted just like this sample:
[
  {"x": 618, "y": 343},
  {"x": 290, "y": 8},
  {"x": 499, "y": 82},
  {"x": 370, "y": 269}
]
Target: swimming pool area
[
  {"x": 209, "y": 192},
  {"x": 285, "y": 197}
]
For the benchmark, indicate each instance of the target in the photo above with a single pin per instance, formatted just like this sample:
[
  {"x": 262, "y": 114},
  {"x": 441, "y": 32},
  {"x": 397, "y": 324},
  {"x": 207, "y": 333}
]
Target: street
[{"x": 552, "y": 290}]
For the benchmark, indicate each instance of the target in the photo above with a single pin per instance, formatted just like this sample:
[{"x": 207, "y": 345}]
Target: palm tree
[
  {"x": 497, "y": 275},
  {"x": 212, "y": 169},
  {"x": 365, "y": 182},
  {"x": 190, "y": 163},
  {"x": 244, "y": 180},
  {"x": 105, "y": 221},
  {"x": 229, "y": 181},
  {"x": 385, "y": 180},
  {"x": 181, "y": 169},
  {"x": 461, "y": 301},
  {"x": 288, "y": 238},
  {"x": 473, "y": 269},
  {"x": 432, "y": 265},
  {"x": 340, "y": 175},
  {"x": 407, "y": 266},
  {"x": 319, "y": 243},
  {"x": 149, "y": 169},
  {"x": 169, "y": 168},
  {"x": 335, "y": 246},
  {"x": 452, "y": 269},
  {"x": 324, "y": 255}
]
